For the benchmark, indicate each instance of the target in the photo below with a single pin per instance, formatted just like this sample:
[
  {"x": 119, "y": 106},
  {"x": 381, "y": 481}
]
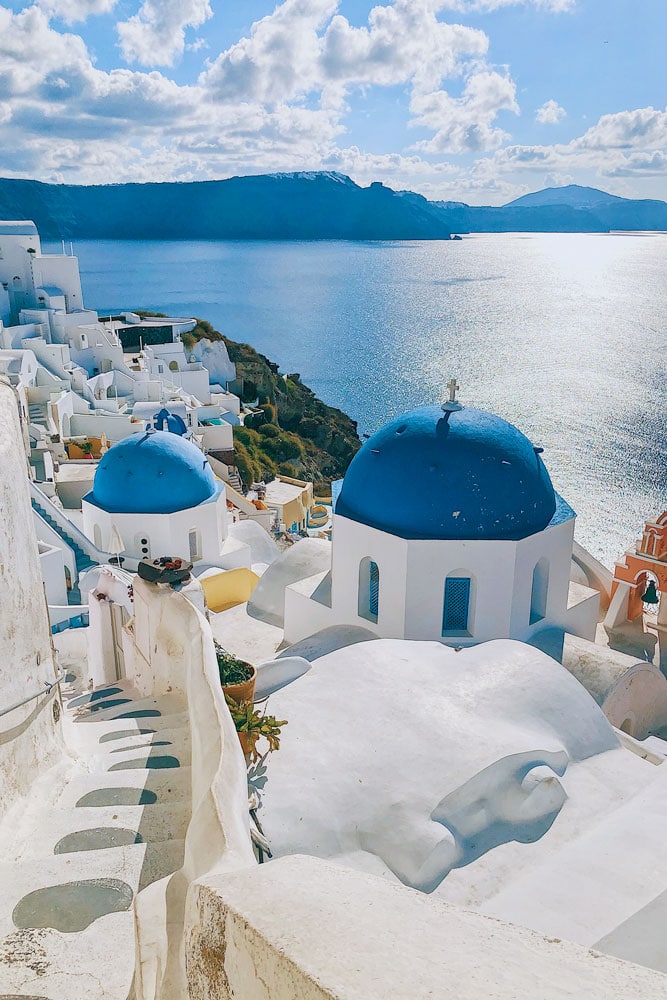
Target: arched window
[
  {"x": 369, "y": 590},
  {"x": 539, "y": 591},
  {"x": 456, "y": 606},
  {"x": 194, "y": 540}
]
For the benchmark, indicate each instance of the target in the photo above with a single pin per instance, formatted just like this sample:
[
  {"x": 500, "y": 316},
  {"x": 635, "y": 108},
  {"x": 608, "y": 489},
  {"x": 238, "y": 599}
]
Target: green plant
[
  {"x": 86, "y": 448},
  {"x": 232, "y": 670},
  {"x": 255, "y": 725}
]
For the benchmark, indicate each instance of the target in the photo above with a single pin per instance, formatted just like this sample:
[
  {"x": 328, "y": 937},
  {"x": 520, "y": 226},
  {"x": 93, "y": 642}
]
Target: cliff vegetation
[{"x": 291, "y": 432}]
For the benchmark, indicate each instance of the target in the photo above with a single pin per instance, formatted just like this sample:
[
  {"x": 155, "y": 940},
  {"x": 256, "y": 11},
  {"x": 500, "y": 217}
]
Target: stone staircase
[
  {"x": 99, "y": 827},
  {"x": 37, "y": 413},
  {"x": 235, "y": 480},
  {"x": 83, "y": 561}
]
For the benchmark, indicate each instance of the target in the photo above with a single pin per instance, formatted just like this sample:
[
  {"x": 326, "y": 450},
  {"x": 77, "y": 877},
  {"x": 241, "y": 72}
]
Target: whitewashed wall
[
  {"x": 412, "y": 584},
  {"x": 168, "y": 534},
  {"x": 29, "y": 736}
]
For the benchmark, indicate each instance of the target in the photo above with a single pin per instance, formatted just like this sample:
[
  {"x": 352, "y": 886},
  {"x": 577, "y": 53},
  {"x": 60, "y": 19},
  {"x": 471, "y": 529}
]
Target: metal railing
[{"x": 47, "y": 689}]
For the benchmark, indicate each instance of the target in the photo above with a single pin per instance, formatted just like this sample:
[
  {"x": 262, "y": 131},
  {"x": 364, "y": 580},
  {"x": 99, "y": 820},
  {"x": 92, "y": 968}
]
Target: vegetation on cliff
[{"x": 292, "y": 432}]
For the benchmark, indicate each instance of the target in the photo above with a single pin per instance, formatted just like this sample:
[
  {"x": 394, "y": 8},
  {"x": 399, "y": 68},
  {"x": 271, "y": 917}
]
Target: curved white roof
[{"x": 21, "y": 227}]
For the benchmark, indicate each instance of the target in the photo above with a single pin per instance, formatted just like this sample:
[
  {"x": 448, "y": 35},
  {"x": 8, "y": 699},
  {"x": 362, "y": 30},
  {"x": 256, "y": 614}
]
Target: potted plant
[
  {"x": 237, "y": 677},
  {"x": 87, "y": 449},
  {"x": 253, "y": 725}
]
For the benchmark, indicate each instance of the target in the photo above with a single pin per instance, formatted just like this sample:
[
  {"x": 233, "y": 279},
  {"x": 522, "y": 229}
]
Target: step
[
  {"x": 116, "y": 741},
  {"x": 119, "y": 787},
  {"x": 138, "y": 865},
  {"x": 89, "y": 829},
  {"x": 66, "y": 961},
  {"x": 50, "y": 965},
  {"x": 105, "y": 711}
]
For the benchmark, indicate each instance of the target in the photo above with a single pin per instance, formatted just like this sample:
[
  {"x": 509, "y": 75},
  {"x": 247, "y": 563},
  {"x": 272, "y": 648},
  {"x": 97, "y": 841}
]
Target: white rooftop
[{"x": 279, "y": 492}]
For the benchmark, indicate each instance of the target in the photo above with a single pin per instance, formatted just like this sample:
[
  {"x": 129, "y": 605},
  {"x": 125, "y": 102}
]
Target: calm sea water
[{"x": 564, "y": 335}]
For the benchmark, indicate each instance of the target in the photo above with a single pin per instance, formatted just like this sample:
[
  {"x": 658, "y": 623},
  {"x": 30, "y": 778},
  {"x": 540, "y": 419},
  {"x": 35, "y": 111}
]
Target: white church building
[
  {"x": 155, "y": 494},
  {"x": 447, "y": 527}
]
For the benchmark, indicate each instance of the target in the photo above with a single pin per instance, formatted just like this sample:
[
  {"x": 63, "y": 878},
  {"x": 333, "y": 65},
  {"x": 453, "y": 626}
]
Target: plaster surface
[
  {"x": 488, "y": 776},
  {"x": 299, "y": 927}
]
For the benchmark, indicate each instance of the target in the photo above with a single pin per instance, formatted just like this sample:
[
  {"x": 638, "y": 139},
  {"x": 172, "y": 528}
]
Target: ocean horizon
[{"x": 562, "y": 334}]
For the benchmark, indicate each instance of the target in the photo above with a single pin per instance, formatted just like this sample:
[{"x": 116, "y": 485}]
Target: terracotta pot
[
  {"x": 243, "y": 693},
  {"x": 246, "y": 745}
]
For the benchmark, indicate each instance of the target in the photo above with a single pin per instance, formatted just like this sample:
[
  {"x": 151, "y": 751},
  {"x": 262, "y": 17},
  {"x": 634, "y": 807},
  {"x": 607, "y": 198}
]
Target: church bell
[{"x": 650, "y": 595}]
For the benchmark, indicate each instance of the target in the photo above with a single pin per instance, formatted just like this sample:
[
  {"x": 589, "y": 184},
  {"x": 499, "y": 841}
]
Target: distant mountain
[
  {"x": 569, "y": 209},
  {"x": 300, "y": 206},
  {"x": 572, "y": 195},
  {"x": 307, "y": 206}
]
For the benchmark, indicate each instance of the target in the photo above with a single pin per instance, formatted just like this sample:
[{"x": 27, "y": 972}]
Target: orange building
[{"x": 632, "y": 576}]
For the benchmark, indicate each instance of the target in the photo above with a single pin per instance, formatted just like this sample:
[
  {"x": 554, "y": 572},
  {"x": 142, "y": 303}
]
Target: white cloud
[
  {"x": 465, "y": 124},
  {"x": 278, "y": 61},
  {"x": 641, "y": 128},
  {"x": 71, "y": 11},
  {"x": 279, "y": 100},
  {"x": 551, "y": 6},
  {"x": 155, "y": 35},
  {"x": 648, "y": 164},
  {"x": 550, "y": 113}
]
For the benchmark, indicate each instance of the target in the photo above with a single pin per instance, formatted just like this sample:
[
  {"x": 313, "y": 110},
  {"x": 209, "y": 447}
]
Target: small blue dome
[
  {"x": 464, "y": 474},
  {"x": 156, "y": 473}
]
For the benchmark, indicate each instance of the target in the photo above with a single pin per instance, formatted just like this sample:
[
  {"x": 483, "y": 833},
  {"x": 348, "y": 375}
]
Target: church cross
[{"x": 452, "y": 385}]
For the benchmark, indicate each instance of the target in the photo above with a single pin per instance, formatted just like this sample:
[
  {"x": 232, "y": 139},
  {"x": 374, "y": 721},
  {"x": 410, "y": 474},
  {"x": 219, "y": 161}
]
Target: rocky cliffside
[{"x": 293, "y": 432}]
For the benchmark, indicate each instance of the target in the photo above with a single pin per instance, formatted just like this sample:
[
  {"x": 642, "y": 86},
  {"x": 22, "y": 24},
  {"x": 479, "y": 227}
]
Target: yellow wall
[{"x": 229, "y": 588}]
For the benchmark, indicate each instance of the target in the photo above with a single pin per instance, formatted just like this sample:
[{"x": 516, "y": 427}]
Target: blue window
[
  {"x": 369, "y": 590},
  {"x": 457, "y": 604},
  {"x": 374, "y": 596}
]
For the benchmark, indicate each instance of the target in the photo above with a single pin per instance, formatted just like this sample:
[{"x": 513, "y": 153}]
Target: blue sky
[{"x": 477, "y": 100}]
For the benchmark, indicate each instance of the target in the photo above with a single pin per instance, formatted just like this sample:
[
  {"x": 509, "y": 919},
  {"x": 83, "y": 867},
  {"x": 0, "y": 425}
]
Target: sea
[{"x": 563, "y": 335}]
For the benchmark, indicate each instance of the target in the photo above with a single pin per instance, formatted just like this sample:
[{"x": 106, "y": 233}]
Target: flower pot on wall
[{"x": 244, "y": 692}]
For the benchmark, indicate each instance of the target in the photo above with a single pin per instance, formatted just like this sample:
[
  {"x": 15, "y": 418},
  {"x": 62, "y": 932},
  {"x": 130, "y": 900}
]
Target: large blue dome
[
  {"x": 462, "y": 474},
  {"x": 156, "y": 473}
]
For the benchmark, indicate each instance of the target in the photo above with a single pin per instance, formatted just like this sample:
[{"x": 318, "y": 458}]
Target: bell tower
[{"x": 640, "y": 579}]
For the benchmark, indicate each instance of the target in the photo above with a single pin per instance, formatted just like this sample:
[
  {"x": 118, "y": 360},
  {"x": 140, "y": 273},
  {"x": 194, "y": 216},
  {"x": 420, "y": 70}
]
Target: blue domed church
[
  {"x": 448, "y": 527},
  {"x": 156, "y": 492}
]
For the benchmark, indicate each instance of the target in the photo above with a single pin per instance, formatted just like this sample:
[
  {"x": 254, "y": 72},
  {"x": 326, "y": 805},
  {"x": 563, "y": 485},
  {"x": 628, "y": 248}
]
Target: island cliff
[{"x": 291, "y": 431}]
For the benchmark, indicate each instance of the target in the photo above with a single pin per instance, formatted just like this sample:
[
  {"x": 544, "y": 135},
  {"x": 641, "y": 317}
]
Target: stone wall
[
  {"x": 299, "y": 927},
  {"x": 30, "y": 737}
]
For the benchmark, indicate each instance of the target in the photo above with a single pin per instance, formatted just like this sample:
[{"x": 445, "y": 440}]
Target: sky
[{"x": 472, "y": 100}]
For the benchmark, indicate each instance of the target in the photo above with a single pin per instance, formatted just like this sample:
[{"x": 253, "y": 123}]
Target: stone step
[
  {"x": 123, "y": 707},
  {"x": 117, "y": 740},
  {"x": 54, "y": 944},
  {"x": 124, "y": 756},
  {"x": 93, "y": 828},
  {"x": 136, "y": 865},
  {"x": 132, "y": 787}
]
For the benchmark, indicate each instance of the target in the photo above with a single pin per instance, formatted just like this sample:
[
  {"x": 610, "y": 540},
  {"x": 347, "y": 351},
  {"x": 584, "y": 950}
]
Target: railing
[
  {"x": 68, "y": 527},
  {"x": 47, "y": 689},
  {"x": 66, "y": 616}
]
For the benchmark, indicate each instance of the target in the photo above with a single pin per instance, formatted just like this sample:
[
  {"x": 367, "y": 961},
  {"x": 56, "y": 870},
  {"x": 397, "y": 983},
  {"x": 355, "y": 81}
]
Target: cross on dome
[{"x": 452, "y": 403}]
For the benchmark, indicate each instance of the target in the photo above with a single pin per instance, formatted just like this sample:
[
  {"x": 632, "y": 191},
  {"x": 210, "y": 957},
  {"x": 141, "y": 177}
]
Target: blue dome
[
  {"x": 464, "y": 474},
  {"x": 156, "y": 473}
]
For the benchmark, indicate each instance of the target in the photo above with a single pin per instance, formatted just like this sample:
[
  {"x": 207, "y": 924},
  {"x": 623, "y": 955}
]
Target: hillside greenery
[{"x": 292, "y": 432}]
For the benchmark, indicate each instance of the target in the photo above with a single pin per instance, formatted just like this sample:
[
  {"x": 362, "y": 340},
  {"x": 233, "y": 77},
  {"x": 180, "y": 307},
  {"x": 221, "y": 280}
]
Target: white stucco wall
[
  {"x": 29, "y": 736},
  {"x": 53, "y": 574},
  {"x": 174, "y": 654},
  {"x": 167, "y": 534},
  {"x": 302, "y": 928},
  {"x": 412, "y": 577}
]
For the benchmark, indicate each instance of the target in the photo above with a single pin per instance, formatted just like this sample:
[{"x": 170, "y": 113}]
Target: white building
[
  {"x": 447, "y": 527},
  {"x": 31, "y": 279},
  {"x": 156, "y": 494}
]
